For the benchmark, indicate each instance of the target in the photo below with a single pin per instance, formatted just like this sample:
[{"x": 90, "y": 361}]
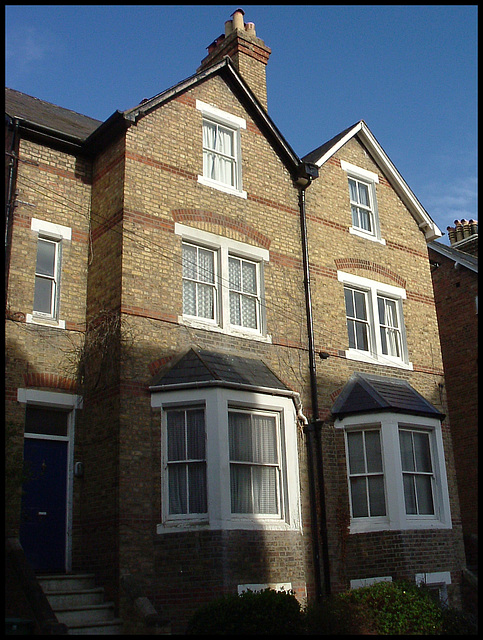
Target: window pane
[
  {"x": 189, "y": 298},
  {"x": 425, "y": 496},
  {"x": 197, "y": 488},
  {"x": 409, "y": 495},
  {"x": 349, "y": 302},
  {"x": 177, "y": 489},
  {"x": 422, "y": 452},
  {"x": 264, "y": 439},
  {"x": 359, "y": 498},
  {"x": 406, "y": 445},
  {"x": 373, "y": 452},
  {"x": 353, "y": 190},
  {"x": 235, "y": 310},
  {"x": 234, "y": 274},
  {"x": 206, "y": 304},
  {"x": 351, "y": 330},
  {"x": 376, "y": 496},
  {"x": 206, "y": 266},
  {"x": 264, "y": 481},
  {"x": 46, "y": 421},
  {"x": 189, "y": 261},
  {"x": 241, "y": 494},
  {"x": 249, "y": 280},
  {"x": 360, "y": 305},
  {"x": 239, "y": 430},
  {"x": 196, "y": 434},
  {"x": 45, "y": 258},
  {"x": 43, "y": 295},
  {"x": 362, "y": 342},
  {"x": 176, "y": 435},
  {"x": 249, "y": 312},
  {"x": 365, "y": 220},
  {"x": 363, "y": 194},
  {"x": 356, "y": 452}
]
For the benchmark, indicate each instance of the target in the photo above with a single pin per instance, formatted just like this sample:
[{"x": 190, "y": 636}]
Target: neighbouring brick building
[
  {"x": 228, "y": 355},
  {"x": 455, "y": 281}
]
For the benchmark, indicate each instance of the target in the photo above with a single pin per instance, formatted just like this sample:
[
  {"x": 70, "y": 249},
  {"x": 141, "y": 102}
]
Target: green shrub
[
  {"x": 264, "y": 612},
  {"x": 398, "y": 608}
]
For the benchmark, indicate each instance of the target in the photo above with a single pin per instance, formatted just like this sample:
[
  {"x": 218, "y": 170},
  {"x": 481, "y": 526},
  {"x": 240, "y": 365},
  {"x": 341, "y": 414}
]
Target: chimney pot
[
  {"x": 228, "y": 27},
  {"x": 238, "y": 22},
  {"x": 250, "y": 29}
]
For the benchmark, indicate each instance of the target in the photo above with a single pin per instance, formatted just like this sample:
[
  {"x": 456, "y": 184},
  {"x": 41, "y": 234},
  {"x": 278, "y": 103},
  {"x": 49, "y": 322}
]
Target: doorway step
[{"x": 79, "y": 604}]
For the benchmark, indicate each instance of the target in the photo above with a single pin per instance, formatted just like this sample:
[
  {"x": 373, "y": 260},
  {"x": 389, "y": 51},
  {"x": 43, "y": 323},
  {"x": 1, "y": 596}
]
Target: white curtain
[
  {"x": 253, "y": 439},
  {"x": 218, "y": 153}
]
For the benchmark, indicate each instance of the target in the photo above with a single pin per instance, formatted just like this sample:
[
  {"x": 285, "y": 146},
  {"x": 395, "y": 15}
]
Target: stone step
[
  {"x": 76, "y": 616},
  {"x": 79, "y": 598},
  {"x": 109, "y": 628},
  {"x": 67, "y": 581}
]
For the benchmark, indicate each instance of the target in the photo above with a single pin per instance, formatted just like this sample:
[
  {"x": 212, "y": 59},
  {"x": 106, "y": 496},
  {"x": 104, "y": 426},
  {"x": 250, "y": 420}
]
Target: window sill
[
  {"x": 367, "y": 526},
  {"x": 235, "y": 524},
  {"x": 366, "y": 236},
  {"x": 384, "y": 361},
  {"x": 44, "y": 322},
  {"x": 229, "y": 331},
  {"x": 222, "y": 187}
]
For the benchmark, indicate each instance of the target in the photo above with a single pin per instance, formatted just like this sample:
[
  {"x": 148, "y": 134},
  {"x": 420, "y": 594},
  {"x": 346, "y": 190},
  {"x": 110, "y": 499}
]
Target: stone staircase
[{"x": 79, "y": 604}]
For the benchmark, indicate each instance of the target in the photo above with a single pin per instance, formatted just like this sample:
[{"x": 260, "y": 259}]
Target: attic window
[
  {"x": 221, "y": 150},
  {"x": 363, "y": 202}
]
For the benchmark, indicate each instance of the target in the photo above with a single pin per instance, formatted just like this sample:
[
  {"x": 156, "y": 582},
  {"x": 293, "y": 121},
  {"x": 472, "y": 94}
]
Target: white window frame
[
  {"x": 56, "y": 234},
  {"x": 373, "y": 289},
  {"x": 217, "y": 402},
  {"x": 226, "y": 248},
  {"x": 216, "y": 116},
  {"x": 370, "y": 179},
  {"x": 396, "y": 518}
]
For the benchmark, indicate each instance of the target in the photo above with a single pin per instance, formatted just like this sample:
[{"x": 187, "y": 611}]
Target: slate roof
[
  {"x": 49, "y": 116},
  {"x": 200, "y": 367},
  {"x": 366, "y": 393}
]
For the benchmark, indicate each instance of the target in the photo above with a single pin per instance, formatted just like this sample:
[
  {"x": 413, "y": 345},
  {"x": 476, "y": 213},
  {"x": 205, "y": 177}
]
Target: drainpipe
[
  {"x": 313, "y": 429},
  {"x": 10, "y": 198}
]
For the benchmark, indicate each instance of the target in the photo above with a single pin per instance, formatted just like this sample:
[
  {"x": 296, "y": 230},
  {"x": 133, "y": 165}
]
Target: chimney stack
[
  {"x": 464, "y": 235},
  {"x": 247, "y": 52}
]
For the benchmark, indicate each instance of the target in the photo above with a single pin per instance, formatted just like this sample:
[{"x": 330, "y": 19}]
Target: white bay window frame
[
  {"x": 390, "y": 424},
  {"x": 226, "y": 249},
  {"x": 222, "y": 124},
  {"x": 218, "y": 402},
  {"x": 373, "y": 291}
]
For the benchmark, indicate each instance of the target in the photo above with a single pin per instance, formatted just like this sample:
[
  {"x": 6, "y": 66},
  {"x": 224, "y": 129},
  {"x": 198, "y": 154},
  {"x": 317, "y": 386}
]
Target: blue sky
[{"x": 409, "y": 71}]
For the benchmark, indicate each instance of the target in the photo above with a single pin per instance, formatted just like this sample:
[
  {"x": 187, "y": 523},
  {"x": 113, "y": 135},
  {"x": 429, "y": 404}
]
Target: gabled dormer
[{"x": 361, "y": 183}]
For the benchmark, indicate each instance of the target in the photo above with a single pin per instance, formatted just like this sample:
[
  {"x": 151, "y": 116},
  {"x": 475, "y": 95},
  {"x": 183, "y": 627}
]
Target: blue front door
[{"x": 44, "y": 507}]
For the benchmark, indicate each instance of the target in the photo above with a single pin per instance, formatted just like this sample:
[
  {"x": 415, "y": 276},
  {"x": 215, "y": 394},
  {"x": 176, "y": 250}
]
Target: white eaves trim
[{"x": 426, "y": 224}]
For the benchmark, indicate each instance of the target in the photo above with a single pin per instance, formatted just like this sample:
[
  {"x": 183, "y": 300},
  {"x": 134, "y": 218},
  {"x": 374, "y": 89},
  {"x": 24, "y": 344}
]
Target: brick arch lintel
[
  {"x": 49, "y": 380},
  {"x": 199, "y": 215},
  {"x": 358, "y": 263}
]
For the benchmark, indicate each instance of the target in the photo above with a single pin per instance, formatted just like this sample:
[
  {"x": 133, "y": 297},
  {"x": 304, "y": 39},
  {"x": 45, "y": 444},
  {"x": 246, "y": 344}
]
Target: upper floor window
[
  {"x": 48, "y": 268},
  {"x": 375, "y": 323},
  {"x": 221, "y": 149},
  {"x": 222, "y": 283},
  {"x": 47, "y": 272},
  {"x": 363, "y": 202}
]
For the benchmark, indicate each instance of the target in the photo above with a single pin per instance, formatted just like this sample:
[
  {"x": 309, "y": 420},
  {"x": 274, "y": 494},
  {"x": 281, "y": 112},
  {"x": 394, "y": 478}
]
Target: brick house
[
  {"x": 227, "y": 355},
  {"x": 455, "y": 281}
]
